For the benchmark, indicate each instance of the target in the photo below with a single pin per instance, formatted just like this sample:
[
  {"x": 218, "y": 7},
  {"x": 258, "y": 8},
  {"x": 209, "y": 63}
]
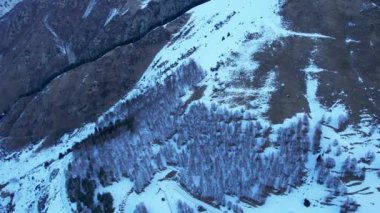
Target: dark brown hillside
[
  {"x": 352, "y": 58},
  {"x": 81, "y": 92}
]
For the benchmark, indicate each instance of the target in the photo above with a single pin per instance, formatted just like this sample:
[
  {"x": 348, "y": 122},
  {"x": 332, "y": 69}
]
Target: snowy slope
[
  {"x": 212, "y": 37},
  {"x": 29, "y": 181},
  {"x": 221, "y": 41}
]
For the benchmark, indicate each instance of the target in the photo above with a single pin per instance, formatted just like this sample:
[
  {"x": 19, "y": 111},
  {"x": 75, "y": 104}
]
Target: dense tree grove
[
  {"x": 351, "y": 171},
  {"x": 349, "y": 205},
  {"x": 140, "y": 208},
  {"x": 223, "y": 158},
  {"x": 182, "y": 207},
  {"x": 216, "y": 151}
]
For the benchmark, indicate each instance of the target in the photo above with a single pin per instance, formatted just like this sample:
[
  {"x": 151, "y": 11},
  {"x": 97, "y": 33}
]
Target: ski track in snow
[{"x": 205, "y": 36}]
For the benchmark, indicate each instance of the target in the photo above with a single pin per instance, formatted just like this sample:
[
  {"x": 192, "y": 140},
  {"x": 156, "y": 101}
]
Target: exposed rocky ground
[{"x": 185, "y": 106}]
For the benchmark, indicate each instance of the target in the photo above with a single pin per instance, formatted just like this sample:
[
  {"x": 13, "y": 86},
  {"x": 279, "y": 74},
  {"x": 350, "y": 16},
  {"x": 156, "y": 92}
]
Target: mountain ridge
[{"x": 225, "y": 110}]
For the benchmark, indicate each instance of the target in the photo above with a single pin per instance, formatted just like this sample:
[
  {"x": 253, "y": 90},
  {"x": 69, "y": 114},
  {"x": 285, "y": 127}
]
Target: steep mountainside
[
  {"x": 49, "y": 39},
  {"x": 190, "y": 106}
]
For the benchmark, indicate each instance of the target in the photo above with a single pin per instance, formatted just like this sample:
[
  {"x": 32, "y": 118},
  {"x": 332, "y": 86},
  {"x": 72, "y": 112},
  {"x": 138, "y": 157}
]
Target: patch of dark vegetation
[
  {"x": 264, "y": 189},
  {"x": 162, "y": 64},
  {"x": 187, "y": 31},
  {"x": 261, "y": 147},
  {"x": 219, "y": 64},
  {"x": 201, "y": 209},
  {"x": 187, "y": 54},
  {"x": 140, "y": 208},
  {"x": 316, "y": 140},
  {"x": 181, "y": 58},
  {"x": 183, "y": 207},
  {"x": 82, "y": 192},
  {"x": 2, "y": 186},
  {"x": 368, "y": 158},
  {"x": 108, "y": 131},
  {"x": 334, "y": 183},
  {"x": 306, "y": 202},
  {"x": 42, "y": 202},
  {"x": 212, "y": 142},
  {"x": 220, "y": 24},
  {"x": 54, "y": 174},
  {"x": 105, "y": 203},
  {"x": 10, "y": 206},
  {"x": 349, "y": 205},
  {"x": 109, "y": 166},
  {"x": 103, "y": 178},
  {"x": 351, "y": 172},
  {"x": 48, "y": 163},
  {"x": 251, "y": 37},
  {"x": 170, "y": 175}
]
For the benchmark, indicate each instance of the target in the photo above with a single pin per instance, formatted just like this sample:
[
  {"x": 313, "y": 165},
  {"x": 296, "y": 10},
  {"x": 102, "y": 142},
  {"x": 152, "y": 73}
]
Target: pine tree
[
  {"x": 317, "y": 139},
  {"x": 140, "y": 208}
]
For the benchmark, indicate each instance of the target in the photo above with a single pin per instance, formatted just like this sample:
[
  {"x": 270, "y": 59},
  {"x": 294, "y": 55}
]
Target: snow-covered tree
[
  {"x": 140, "y": 208},
  {"x": 369, "y": 157},
  {"x": 183, "y": 207},
  {"x": 317, "y": 139},
  {"x": 349, "y": 205}
]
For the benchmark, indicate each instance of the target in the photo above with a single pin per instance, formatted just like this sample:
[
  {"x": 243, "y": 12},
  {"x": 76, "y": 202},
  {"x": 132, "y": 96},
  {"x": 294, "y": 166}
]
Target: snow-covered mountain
[{"x": 190, "y": 106}]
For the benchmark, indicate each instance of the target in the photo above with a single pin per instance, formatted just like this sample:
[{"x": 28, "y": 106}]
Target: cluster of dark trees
[
  {"x": 140, "y": 208},
  {"x": 218, "y": 157},
  {"x": 183, "y": 207},
  {"x": 216, "y": 151},
  {"x": 349, "y": 205},
  {"x": 323, "y": 169},
  {"x": 113, "y": 152},
  {"x": 82, "y": 192},
  {"x": 351, "y": 171}
]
